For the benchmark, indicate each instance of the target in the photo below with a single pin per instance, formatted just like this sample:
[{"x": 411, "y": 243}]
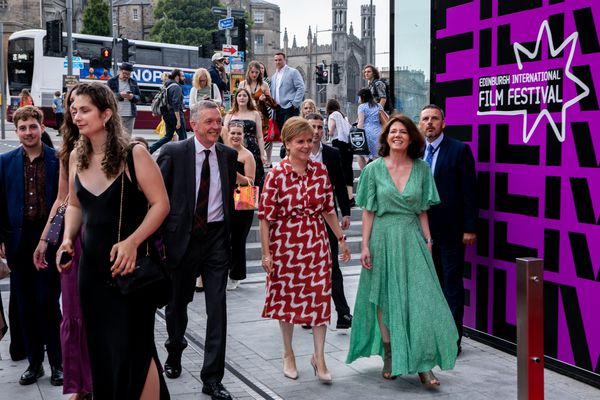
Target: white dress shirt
[
  {"x": 277, "y": 84},
  {"x": 215, "y": 199},
  {"x": 319, "y": 156},
  {"x": 436, "y": 148}
]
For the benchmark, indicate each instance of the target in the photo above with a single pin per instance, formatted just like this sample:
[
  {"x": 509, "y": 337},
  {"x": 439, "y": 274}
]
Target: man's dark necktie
[
  {"x": 201, "y": 214},
  {"x": 429, "y": 157}
]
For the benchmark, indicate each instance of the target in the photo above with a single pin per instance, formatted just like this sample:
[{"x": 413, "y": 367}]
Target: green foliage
[
  {"x": 96, "y": 19},
  {"x": 187, "y": 22}
]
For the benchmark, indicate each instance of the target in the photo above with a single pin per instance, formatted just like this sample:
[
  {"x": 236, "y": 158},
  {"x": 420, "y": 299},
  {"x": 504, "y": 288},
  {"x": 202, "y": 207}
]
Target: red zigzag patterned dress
[{"x": 299, "y": 288}]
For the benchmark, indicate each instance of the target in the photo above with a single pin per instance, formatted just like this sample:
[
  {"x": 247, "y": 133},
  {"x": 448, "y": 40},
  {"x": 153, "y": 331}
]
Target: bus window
[
  {"x": 176, "y": 58},
  {"x": 148, "y": 55},
  {"x": 147, "y": 94},
  {"x": 20, "y": 65},
  {"x": 87, "y": 49}
]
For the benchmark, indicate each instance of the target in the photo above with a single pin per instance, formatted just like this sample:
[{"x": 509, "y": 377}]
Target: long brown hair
[
  {"x": 234, "y": 104},
  {"x": 416, "y": 148},
  {"x": 117, "y": 141},
  {"x": 68, "y": 130}
]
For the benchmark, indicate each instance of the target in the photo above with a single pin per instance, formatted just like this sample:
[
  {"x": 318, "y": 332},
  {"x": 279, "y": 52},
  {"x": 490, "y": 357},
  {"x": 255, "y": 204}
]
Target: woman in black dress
[
  {"x": 120, "y": 328},
  {"x": 244, "y": 109}
]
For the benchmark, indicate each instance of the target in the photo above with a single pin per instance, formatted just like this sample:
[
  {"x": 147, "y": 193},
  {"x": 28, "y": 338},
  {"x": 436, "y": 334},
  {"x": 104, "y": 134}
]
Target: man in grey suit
[
  {"x": 287, "y": 89},
  {"x": 199, "y": 175}
]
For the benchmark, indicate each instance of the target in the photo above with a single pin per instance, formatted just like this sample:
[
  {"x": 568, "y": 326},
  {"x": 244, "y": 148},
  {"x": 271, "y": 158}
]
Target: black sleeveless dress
[
  {"x": 120, "y": 330},
  {"x": 251, "y": 143}
]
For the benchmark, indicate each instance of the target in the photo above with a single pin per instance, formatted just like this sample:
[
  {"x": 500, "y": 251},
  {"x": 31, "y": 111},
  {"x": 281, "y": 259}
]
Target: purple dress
[{"x": 76, "y": 360}]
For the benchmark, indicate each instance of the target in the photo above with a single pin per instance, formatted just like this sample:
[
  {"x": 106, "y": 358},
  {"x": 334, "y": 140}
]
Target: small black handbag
[
  {"x": 57, "y": 224},
  {"x": 151, "y": 271},
  {"x": 358, "y": 141}
]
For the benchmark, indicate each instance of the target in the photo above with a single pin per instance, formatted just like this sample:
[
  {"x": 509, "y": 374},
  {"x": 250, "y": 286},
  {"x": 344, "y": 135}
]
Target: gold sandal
[
  {"x": 387, "y": 362},
  {"x": 428, "y": 379}
]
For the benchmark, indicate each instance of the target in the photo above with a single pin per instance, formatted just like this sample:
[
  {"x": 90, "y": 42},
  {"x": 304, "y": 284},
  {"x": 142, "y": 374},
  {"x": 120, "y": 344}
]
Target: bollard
[{"x": 530, "y": 328}]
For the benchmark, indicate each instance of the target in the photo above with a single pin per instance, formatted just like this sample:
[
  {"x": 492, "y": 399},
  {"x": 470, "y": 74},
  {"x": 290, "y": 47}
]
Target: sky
[{"x": 317, "y": 13}]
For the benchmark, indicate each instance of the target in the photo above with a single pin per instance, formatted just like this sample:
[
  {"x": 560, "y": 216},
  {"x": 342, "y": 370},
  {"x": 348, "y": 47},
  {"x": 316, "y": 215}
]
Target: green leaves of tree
[{"x": 95, "y": 18}]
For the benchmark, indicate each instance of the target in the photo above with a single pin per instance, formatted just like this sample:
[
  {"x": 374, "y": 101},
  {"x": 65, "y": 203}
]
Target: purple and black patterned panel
[{"x": 516, "y": 80}]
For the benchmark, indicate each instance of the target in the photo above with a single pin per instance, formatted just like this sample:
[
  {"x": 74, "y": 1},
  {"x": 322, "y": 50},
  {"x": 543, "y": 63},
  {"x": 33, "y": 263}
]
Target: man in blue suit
[
  {"x": 287, "y": 89},
  {"x": 453, "y": 222},
  {"x": 28, "y": 188}
]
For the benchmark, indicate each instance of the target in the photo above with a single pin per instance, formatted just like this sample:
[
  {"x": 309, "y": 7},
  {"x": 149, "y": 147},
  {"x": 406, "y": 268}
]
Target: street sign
[
  {"x": 230, "y": 49},
  {"x": 76, "y": 64},
  {"x": 75, "y": 59},
  {"x": 69, "y": 81},
  {"x": 226, "y": 23},
  {"x": 236, "y": 13}
]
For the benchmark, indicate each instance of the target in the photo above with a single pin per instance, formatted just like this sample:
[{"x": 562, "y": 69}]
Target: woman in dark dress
[
  {"x": 243, "y": 108},
  {"x": 120, "y": 328},
  {"x": 240, "y": 219}
]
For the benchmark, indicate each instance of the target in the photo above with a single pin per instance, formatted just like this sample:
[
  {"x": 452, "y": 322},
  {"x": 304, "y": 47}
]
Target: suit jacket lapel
[
  {"x": 190, "y": 173},
  {"x": 223, "y": 174},
  {"x": 441, "y": 158}
]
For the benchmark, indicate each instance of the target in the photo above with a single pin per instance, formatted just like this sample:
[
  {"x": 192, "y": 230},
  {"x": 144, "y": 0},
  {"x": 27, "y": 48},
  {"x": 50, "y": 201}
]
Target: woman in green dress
[{"x": 400, "y": 312}]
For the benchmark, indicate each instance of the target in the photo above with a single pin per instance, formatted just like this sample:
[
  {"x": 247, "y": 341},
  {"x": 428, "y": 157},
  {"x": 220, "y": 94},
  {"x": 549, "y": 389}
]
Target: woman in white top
[
  {"x": 203, "y": 88},
  {"x": 339, "y": 132}
]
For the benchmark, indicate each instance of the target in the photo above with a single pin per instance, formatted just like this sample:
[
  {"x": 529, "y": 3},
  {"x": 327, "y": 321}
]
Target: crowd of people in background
[{"x": 416, "y": 190}]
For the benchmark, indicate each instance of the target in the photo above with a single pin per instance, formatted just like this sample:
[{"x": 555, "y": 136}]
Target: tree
[
  {"x": 187, "y": 22},
  {"x": 95, "y": 18}
]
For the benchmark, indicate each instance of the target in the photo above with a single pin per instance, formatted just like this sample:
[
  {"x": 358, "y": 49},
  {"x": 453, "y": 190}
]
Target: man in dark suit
[
  {"x": 28, "y": 188},
  {"x": 330, "y": 157},
  {"x": 453, "y": 221},
  {"x": 199, "y": 175}
]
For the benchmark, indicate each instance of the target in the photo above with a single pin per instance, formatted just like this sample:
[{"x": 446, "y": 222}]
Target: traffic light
[
  {"x": 335, "y": 70},
  {"x": 240, "y": 24},
  {"x": 54, "y": 37},
  {"x": 105, "y": 57},
  {"x": 127, "y": 51},
  {"x": 322, "y": 75}
]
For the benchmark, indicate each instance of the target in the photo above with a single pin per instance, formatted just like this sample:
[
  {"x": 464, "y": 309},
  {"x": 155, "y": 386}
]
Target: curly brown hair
[
  {"x": 68, "y": 131},
  {"x": 416, "y": 148},
  {"x": 117, "y": 141}
]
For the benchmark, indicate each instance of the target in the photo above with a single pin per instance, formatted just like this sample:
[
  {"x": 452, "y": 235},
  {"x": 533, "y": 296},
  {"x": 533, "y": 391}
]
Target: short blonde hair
[
  {"x": 293, "y": 128},
  {"x": 196, "y": 80},
  {"x": 313, "y": 107}
]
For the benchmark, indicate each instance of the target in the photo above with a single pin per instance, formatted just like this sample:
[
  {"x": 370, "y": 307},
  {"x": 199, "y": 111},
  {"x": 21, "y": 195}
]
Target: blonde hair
[
  {"x": 293, "y": 128},
  {"x": 313, "y": 107},
  {"x": 196, "y": 80},
  {"x": 164, "y": 76}
]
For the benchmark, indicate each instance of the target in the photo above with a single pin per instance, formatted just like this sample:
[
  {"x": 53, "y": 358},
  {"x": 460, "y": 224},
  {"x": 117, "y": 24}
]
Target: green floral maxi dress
[{"x": 402, "y": 281}]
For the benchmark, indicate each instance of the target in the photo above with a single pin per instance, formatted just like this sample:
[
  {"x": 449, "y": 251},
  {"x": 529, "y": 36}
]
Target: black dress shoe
[
  {"x": 172, "y": 371},
  {"x": 216, "y": 391},
  {"x": 32, "y": 374},
  {"x": 306, "y": 327},
  {"x": 56, "y": 378},
  {"x": 344, "y": 321},
  {"x": 459, "y": 350},
  {"x": 199, "y": 289}
]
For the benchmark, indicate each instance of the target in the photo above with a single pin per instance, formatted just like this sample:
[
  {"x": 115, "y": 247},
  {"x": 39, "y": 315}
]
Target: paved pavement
[{"x": 254, "y": 362}]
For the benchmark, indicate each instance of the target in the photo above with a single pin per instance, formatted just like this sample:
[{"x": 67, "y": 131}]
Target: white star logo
[{"x": 518, "y": 48}]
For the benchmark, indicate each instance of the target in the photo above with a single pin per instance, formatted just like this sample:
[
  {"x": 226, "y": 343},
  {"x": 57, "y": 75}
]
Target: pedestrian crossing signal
[{"x": 106, "y": 57}]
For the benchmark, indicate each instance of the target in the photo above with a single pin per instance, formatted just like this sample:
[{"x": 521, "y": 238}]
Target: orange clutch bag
[{"x": 246, "y": 197}]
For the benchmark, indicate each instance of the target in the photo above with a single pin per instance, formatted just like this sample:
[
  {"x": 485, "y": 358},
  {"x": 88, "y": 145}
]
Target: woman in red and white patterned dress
[{"x": 296, "y": 202}]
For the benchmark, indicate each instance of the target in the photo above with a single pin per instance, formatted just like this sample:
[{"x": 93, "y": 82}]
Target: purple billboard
[{"x": 516, "y": 80}]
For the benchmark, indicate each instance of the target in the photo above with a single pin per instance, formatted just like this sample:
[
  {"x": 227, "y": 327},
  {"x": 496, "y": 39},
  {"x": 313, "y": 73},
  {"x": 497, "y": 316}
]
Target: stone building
[
  {"x": 135, "y": 18},
  {"x": 18, "y": 15}
]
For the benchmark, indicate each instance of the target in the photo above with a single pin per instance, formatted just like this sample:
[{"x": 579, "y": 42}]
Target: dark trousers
[
  {"x": 37, "y": 299},
  {"x": 449, "y": 260},
  {"x": 207, "y": 256},
  {"x": 17, "y": 346},
  {"x": 170, "y": 129},
  {"x": 59, "y": 120},
  {"x": 242, "y": 222},
  {"x": 337, "y": 279},
  {"x": 283, "y": 114}
]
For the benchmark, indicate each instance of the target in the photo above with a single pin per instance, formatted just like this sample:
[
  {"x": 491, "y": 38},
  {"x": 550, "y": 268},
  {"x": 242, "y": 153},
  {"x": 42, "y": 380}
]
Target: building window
[
  {"x": 259, "y": 44},
  {"x": 136, "y": 15},
  {"x": 3, "y": 4},
  {"x": 259, "y": 17}
]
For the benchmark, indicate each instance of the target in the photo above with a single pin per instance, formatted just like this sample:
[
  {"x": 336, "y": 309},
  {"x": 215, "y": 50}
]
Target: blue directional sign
[{"x": 226, "y": 23}]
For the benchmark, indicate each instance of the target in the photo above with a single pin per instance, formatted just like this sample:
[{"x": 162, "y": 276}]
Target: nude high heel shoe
[
  {"x": 324, "y": 377},
  {"x": 289, "y": 367}
]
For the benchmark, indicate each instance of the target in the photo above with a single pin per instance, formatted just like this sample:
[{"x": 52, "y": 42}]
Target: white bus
[{"x": 32, "y": 66}]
